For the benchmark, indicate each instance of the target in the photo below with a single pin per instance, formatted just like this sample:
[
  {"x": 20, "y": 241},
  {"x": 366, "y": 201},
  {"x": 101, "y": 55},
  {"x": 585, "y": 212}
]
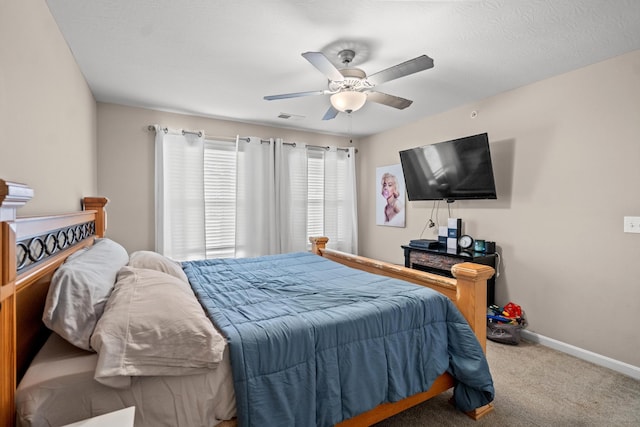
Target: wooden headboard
[{"x": 31, "y": 248}]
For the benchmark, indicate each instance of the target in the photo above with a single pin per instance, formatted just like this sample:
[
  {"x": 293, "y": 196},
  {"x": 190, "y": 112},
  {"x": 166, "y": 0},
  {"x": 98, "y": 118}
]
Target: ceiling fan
[{"x": 350, "y": 88}]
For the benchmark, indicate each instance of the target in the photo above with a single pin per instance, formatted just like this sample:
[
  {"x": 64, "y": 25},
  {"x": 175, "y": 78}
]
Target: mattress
[{"x": 58, "y": 389}]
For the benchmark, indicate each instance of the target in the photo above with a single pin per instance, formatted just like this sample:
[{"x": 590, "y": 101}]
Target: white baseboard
[{"x": 580, "y": 353}]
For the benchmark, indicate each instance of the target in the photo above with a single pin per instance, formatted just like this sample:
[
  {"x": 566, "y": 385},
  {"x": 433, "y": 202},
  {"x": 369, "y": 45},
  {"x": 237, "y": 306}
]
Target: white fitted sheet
[{"x": 58, "y": 389}]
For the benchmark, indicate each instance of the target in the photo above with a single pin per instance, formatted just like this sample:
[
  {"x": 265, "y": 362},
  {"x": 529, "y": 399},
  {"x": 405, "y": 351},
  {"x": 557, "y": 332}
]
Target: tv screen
[{"x": 451, "y": 170}]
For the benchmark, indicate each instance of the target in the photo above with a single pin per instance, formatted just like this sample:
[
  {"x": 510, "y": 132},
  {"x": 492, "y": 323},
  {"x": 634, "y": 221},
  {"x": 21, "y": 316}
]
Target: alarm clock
[{"x": 465, "y": 241}]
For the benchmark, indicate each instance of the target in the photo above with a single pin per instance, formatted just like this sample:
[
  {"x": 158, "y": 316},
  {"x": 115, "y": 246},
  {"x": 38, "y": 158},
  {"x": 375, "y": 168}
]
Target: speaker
[{"x": 490, "y": 247}]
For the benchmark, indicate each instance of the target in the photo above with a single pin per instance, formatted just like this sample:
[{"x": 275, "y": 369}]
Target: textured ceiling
[{"x": 218, "y": 59}]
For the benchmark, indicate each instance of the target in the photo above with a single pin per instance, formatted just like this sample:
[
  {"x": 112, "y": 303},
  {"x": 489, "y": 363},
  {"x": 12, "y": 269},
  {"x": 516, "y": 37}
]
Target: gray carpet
[{"x": 539, "y": 386}]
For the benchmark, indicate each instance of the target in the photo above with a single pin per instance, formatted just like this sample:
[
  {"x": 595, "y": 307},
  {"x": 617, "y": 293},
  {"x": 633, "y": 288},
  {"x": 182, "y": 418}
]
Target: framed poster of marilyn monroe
[{"x": 390, "y": 197}]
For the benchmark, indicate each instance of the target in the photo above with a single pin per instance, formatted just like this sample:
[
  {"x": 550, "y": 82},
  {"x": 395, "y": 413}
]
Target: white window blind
[
  {"x": 220, "y": 198},
  {"x": 315, "y": 193}
]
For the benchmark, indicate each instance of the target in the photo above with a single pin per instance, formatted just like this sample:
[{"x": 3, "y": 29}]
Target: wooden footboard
[{"x": 468, "y": 290}]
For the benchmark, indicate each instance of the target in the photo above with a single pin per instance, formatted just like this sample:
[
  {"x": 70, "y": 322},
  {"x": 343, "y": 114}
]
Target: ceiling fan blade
[
  {"x": 411, "y": 66},
  {"x": 323, "y": 64},
  {"x": 330, "y": 114},
  {"x": 390, "y": 100},
  {"x": 294, "y": 95}
]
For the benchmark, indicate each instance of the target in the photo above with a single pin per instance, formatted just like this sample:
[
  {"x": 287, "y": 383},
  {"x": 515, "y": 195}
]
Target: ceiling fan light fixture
[{"x": 348, "y": 101}]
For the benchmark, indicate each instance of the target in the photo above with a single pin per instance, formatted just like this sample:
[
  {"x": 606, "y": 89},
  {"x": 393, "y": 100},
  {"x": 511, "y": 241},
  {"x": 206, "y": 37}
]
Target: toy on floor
[{"x": 505, "y": 323}]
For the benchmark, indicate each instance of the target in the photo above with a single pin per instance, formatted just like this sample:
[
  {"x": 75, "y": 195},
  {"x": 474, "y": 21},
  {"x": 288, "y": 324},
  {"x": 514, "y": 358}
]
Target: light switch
[{"x": 632, "y": 224}]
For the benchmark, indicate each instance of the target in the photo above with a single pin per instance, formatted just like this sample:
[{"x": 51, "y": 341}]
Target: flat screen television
[{"x": 459, "y": 169}]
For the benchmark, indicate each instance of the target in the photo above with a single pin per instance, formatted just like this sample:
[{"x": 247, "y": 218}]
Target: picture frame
[{"x": 390, "y": 196}]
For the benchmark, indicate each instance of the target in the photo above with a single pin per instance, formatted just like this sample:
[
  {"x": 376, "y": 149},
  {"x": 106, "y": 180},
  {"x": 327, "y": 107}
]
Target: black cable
[{"x": 429, "y": 222}]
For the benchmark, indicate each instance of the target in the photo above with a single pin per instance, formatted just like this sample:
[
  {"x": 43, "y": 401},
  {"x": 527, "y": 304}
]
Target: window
[
  {"x": 217, "y": 199},
  {"x": 220, "y": 198},
  {"x": 315, "y": 193}
]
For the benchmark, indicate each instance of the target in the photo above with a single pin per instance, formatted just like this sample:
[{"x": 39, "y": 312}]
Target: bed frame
[
  {"x": 31, "y": 248},
  {"x": 469, "y": 293}
]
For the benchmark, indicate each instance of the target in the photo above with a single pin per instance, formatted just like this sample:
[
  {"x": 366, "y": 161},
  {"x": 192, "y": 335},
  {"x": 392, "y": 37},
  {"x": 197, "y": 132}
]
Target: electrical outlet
[{"x": 632, "y": 224}]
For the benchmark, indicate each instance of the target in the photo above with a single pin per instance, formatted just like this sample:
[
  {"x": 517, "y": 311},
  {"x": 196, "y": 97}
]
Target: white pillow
[
  {"x": 153, "y": 324},
  {"x": 79, "y": 290},
  {"x": 155, "y": 261}
]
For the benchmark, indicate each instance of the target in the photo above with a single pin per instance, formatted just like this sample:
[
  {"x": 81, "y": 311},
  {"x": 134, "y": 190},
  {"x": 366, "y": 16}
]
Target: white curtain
[
  {"x": 340, "y": 208},
  {"x": 295, "y": 203},
  {"x": 255, "y": 199},
  {"x": 351, "y": 231},
  {"x": 291, "y": 196},
  {"x": 180, "y": 221},
  {"x": 277, "y": 204}
]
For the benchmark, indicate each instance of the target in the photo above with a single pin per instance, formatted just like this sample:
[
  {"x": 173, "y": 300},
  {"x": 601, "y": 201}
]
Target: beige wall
[
  {"x": 47, "y": 112},
  {"x": 566, "y": 155},
  {"x": 126, "y": 162}
]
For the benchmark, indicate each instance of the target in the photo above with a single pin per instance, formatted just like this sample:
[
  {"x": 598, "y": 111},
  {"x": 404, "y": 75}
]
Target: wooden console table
[{"x": 440, "y": 261}]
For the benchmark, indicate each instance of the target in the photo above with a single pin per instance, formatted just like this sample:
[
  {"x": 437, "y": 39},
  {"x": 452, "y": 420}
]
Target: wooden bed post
[
  {"x": 12, "y": 197},
  {"x": 97, "y": 204},
  {"x": 472, "y": 296},
  {"x": 318, "y": 243}
]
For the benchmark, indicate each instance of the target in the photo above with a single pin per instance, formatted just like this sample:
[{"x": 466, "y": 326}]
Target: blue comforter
[{"x": 313, "y": 342}]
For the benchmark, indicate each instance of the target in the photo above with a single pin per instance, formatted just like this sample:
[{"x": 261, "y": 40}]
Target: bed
[{"x": 30, "y": 256}]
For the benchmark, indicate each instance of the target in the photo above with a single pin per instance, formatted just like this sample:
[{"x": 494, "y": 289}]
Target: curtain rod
[
  {"x": 245, "y": 139},
  {"x": 184, "y": 132}
]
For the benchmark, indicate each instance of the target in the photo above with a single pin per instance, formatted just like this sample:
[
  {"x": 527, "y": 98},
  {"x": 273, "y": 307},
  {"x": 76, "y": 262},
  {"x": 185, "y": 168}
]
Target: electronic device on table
[{"x": 425, "y": 243}]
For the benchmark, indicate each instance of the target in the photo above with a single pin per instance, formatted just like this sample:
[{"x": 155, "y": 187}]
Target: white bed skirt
[{"x": 58, "y": 389}]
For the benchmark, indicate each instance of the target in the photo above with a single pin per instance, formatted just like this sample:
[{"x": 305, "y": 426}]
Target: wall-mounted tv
[{"x": 459, "y": 169}]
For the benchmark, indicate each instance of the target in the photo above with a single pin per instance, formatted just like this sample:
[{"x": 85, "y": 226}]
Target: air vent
[{"x": 288, "y": 116}]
